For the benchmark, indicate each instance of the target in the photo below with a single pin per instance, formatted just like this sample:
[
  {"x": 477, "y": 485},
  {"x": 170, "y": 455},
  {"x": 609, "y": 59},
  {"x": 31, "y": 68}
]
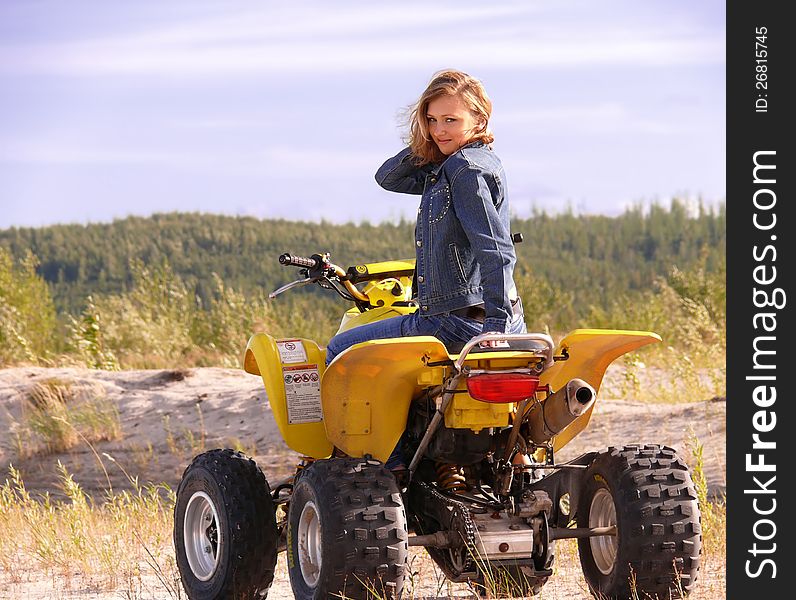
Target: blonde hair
[{"x": 449, "y": 82}]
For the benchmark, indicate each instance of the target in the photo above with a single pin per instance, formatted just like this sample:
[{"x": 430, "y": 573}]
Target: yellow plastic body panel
[
  {"x": 354, "y": 318},
  {"x": 366, "y": 392},
  {"x": 590, "y": 351},
  {"x": 464, "y": 412},
  {"x": 388, "y": 268},
  {"x": 367, "y": 389},
  {"x": 386, "y": 292},
  {"x": 306, "y": 434}
]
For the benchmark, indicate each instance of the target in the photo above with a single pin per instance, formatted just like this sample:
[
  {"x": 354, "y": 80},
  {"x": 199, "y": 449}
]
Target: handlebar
[
  {"x": 319, "y": 268},
  {"x": 289, "y": 260}
]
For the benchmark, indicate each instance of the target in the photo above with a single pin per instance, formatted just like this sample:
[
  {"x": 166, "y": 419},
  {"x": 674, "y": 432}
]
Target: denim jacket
[{"x": 463, "y": 245}]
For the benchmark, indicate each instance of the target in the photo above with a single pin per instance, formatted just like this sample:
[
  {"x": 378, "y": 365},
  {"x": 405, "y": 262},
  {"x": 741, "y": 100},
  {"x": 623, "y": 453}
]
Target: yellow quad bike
[{"x": 483, "y": 492}]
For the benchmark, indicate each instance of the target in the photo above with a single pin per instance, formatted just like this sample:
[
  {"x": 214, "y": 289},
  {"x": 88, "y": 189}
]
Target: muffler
[{"x": 559, "y": 410}]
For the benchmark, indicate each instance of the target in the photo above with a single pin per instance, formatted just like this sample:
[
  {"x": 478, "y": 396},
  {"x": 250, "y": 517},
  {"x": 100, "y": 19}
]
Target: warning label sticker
[
  {"x": 303, "y": 394},
  {"x": 292, "y": 351}
]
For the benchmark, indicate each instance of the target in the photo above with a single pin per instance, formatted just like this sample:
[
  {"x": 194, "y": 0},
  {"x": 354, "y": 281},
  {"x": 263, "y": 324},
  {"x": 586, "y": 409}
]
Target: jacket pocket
[
  {"x": 456, "y": 262},
  {"x": 439, "y": 201}
]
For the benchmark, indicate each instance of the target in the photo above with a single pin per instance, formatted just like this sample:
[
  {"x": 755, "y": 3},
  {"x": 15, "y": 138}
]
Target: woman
[{"x": 465, "y": 256}]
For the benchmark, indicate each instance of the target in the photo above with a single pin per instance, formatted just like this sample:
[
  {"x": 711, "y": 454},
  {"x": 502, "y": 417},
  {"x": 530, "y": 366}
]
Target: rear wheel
[
  {"x": 346, "y": 532},
  {"x": 225, "y": 534},
  {"x": 647, "y": 494}
]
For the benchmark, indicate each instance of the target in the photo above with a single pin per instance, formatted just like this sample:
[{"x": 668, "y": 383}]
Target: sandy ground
[
  {"x": 166, "y": 417},
  {"x": 169, "y": 416}
]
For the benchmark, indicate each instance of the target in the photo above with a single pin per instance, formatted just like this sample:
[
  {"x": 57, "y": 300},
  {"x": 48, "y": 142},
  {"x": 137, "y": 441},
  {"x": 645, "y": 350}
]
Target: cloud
[
  {"x": 266, "y": 56},
  {"x": 200, "y": 100},
  {"x": 323, "y": 160},
  {"x": 280, "y": 161},
  {"x": 306, "y": 39},
  {"x": 50, "y": 152},
  {"x": 606, "y": 117}
]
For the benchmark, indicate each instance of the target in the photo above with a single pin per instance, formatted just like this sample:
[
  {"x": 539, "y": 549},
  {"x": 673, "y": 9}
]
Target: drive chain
[{"x": 453, "y": 515}]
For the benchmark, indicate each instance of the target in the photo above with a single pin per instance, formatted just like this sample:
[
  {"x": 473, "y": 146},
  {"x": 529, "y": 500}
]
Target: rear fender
[
  {"x": 368, "y": 388},
  {"x": 291, "y": 371},
  {"x": 590, "y": 352}
]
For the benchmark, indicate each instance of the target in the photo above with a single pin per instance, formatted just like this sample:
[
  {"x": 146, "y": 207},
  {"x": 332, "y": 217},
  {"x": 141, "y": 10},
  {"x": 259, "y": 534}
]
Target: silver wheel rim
[
  {"x": 201, "y": 536},
  {"x": 309, "y": 544},
  {"x": 603, "y": 514}
]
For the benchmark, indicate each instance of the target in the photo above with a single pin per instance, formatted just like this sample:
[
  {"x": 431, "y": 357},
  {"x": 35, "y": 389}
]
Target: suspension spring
[{"x": 450, "y": 478}]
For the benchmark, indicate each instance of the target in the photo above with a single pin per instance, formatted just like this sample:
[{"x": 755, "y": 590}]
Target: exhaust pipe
[{"x": 559, "y": 410}]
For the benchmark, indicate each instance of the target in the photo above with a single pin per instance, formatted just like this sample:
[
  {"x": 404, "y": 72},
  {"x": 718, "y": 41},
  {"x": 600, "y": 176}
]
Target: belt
[{"x": 477, "y": 312}]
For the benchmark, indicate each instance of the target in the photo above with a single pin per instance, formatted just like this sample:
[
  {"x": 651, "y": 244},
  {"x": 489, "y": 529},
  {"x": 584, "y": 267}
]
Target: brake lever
[{"x": 290, "y": 285}]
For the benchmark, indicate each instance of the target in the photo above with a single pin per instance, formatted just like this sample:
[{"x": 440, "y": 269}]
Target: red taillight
[{"x": 502, "y": 387}]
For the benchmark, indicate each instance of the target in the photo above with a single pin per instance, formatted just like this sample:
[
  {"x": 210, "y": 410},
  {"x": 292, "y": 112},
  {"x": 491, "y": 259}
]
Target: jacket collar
[{"x": 476, "y": 144}]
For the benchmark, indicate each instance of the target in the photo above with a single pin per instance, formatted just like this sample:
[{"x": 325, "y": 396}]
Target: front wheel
[
  {"x": 225, "y": 534},
  {"x": 647, "y": 494}
]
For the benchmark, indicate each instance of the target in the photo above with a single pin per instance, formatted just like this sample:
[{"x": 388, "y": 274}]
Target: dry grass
[
  {"x": 714, "y": 522},
  {"x": 637, "y": 376},
  {"x": 59, "y": 415},
  {"x": 120, "y": 545}
]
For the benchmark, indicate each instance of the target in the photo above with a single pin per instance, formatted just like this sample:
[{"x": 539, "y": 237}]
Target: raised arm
[{"x": 400, "y": 174}]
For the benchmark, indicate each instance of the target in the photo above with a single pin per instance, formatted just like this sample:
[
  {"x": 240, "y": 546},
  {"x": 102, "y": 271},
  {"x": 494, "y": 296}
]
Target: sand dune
[{"x": 168, "y": 416}]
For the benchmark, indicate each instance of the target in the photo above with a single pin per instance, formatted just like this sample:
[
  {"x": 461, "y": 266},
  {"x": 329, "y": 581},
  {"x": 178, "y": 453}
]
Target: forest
[{"x": 189, "y": 288}]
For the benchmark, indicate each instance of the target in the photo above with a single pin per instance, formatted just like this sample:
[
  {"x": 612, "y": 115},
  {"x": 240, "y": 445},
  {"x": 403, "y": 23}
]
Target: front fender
[{"x": 590, "y": 352}]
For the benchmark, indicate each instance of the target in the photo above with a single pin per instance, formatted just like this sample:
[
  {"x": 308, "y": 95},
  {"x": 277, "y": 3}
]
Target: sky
[{"x": 286, "y": 109}]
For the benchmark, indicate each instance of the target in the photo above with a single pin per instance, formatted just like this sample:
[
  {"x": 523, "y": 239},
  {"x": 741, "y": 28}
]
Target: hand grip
[{"x": 289, "y": 260}]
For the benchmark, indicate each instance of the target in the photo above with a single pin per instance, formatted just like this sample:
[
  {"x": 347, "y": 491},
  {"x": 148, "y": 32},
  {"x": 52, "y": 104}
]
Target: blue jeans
[{"x": 454, "y": 331}]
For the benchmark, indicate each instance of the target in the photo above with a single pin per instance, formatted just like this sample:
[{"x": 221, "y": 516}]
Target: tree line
[
  {"x": 594, "y": 258},
  {"x": 190, "y": 288}
]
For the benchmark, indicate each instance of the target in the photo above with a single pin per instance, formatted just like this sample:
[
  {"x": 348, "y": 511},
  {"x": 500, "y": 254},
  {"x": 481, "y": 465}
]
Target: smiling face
[{"x": 451, "y": 124}]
